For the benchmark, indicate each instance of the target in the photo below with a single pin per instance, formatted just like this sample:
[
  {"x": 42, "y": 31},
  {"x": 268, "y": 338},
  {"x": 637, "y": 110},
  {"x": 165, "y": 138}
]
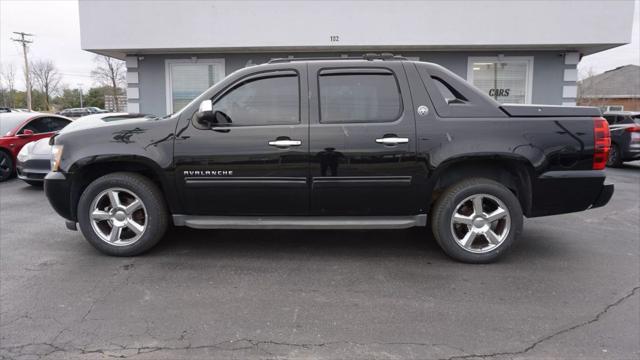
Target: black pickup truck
[{"x": 377, "y": 142}]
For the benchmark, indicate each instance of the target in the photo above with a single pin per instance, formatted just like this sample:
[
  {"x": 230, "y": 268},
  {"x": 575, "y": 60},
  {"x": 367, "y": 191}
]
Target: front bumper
[
  {"x": 57, "y": 188},
  {"x": 33, "y": 169}
]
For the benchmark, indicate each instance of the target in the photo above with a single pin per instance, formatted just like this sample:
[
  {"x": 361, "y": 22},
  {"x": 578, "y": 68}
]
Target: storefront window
[
  {"x": 187, "y": 79},
  {"x": 507, "y": 80}
]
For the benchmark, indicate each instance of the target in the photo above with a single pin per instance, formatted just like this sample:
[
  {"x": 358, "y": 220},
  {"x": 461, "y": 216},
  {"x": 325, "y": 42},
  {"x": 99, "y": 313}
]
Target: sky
[{"x": 56, "y": 28}]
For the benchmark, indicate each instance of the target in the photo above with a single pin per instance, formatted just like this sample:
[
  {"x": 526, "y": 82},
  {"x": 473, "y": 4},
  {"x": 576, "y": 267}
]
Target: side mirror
[
  {"x": 205, "y": 116},
  {"x": 206, "y": 106},
  {"x": 27, "y": 133}
]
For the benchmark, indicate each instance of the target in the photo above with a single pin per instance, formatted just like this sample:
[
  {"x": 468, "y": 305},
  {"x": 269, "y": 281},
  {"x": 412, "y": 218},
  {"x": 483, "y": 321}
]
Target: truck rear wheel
[
  {"x": 122, "y": 214},
  {"x": 476, "y": 220}
]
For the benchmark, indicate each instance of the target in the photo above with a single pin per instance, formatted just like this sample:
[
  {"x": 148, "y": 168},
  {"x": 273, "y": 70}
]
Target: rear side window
[
  {"x": 448, "y": 92},
  {"x": 358, "y": 95},
  {"x": 273, "y": 100},
  {"x": 56, "y": 124}
]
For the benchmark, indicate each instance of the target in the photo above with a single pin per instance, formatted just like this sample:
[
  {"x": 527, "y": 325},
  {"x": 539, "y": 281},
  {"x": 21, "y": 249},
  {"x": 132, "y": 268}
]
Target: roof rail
[{"x": 368, "y": 57}]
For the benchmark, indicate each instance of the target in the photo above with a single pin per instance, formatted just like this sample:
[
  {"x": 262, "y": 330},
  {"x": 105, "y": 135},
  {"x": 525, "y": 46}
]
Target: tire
[
  {"x": 6, "y": 166},
  {"x": 615, "y": 157},
  {"x": 35, "y": 183},
  {"x": 149, "y": 214},
  {"x": 451, "y": 234}
]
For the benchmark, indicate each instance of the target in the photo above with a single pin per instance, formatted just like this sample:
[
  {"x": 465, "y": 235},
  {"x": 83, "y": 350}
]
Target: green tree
[
  {"x": 95, "y": 97},
  {"x": 69, "y": 98}
]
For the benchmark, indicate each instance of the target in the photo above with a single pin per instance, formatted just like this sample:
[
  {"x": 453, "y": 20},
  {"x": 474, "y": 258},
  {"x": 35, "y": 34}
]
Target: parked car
[
  {"x": 75, "y": 112},
  {"x": 625, "y": 137},
  {"x": 18, "y": 129},
  {"x": 366, "y": 143},
  {"x": 5, "y": 110},
  {"x": 34, "y": 160},
  {"x": 96, "y": 110}
]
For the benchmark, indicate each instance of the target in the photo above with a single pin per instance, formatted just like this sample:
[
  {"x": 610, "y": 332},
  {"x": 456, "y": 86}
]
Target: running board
[{"x": 300, "y": 222}]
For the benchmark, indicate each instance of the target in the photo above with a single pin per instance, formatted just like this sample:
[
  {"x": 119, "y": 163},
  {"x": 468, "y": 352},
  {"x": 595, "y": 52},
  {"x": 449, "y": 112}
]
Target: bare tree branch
[
  {"x": 109, "y": 72},
  {"x": 8, "y": 77},
  {"x": 46, "y": 77}
]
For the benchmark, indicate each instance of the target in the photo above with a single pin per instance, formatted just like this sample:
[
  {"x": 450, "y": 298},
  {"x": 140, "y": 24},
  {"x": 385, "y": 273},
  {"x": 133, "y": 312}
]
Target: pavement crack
[
  {"x": 128, "y": 268},
  {"x": 115, "y": 351},
  {"x": 594, "y": 319}
]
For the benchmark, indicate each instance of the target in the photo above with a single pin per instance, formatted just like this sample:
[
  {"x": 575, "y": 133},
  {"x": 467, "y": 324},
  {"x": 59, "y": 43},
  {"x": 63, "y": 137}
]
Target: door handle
[
  {"x": 392, "y": 140},
  {"x": 285, "y": 143}
]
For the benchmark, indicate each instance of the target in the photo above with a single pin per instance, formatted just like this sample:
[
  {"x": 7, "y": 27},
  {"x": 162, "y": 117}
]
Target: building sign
[{"x": 505, "y": 79}]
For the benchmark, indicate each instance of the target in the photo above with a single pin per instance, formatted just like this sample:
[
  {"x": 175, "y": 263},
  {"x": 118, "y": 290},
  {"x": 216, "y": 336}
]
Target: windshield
[{"x": 636, "y": 119}]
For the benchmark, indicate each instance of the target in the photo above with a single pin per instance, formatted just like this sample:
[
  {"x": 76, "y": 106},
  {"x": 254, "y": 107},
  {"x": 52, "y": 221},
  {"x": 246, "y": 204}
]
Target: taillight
[
  {"x": 602, "y": 143},
  {"x": 633, "y": 129}
]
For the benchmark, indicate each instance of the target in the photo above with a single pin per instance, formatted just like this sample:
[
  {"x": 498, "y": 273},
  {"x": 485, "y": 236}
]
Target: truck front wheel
[
  {"x": 122, "y": 214},
  {"x": 476, "y": 220}
]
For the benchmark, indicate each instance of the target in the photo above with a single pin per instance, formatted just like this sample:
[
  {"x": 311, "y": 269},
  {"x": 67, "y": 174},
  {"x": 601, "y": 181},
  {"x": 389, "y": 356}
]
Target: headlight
[
  {"x": 24, "y": 152},
  {"x": 56, "y": 156}
]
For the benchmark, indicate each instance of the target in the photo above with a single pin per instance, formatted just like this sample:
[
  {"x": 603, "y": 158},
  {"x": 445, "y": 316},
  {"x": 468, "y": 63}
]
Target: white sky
[
  {"x": 612, "y": 58},
  {"x": 57, "y": 37}
]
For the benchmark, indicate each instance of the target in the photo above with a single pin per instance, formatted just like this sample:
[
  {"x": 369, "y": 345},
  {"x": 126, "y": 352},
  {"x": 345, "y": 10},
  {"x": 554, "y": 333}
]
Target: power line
[{"x": 24, "y": 41}]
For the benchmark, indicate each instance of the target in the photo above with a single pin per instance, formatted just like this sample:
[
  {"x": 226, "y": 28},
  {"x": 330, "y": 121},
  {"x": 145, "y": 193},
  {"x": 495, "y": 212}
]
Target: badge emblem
[{"x": 423, "y": 110}]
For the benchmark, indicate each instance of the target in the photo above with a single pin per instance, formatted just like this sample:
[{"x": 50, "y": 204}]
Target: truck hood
[{"x": 102, "y": 121}]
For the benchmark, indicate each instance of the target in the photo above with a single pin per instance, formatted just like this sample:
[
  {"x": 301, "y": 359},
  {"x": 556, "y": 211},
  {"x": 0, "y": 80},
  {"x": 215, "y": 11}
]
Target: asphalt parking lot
[{"x": 569, "y": 289}]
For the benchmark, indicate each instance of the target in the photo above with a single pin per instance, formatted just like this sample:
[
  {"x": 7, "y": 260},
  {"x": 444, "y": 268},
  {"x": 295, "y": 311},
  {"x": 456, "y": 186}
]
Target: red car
[{"x": 18, "y": 129}]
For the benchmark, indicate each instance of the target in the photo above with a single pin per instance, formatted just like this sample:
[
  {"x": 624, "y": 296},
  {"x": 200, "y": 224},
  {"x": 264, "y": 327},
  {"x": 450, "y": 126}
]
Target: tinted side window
[
  {"x": 56, "y": 124},
  {"x": 359, "y": 97},
  {"x": 264, "y": 101},
  {"x": 40, "y": 125}
]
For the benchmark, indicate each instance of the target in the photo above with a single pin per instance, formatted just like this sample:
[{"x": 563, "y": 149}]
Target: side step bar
[{"x": 300, "y": 222}]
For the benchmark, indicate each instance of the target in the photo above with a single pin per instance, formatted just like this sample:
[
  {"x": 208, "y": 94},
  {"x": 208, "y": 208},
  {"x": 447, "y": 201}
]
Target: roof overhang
[{"x": 584, "y": 49}]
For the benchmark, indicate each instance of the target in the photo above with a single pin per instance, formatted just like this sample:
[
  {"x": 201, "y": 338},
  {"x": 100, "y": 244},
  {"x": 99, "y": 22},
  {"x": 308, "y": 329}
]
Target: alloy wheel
[
  {"x": 613, "y": 156},
  {"x": 118, "y": 216},
  {"x": 480, "y": 223},
  {"x": 5, "y": 166}
]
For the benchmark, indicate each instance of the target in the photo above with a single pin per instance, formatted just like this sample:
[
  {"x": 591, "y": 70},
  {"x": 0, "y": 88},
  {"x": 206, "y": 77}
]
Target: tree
[
  {"x": 69, "y": 98},
  {"x": 47, "y": 78},
  {"x": 8, "y": 79},
  {"x": 587, "y": 87},
  {"x": 109, "y": 72}
]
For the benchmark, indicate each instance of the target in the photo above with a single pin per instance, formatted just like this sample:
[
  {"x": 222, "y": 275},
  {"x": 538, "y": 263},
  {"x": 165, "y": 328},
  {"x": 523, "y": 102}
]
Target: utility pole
[
  {"x": 80, "y": 88},
  {"x": 24, "y": 43}
]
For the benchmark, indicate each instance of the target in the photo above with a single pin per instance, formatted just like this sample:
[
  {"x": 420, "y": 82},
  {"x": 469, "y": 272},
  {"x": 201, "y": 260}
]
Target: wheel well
[
  {"x": 87, "y": 174},
  {"x": 514, "y": 174},
  {"x": 5, "y": 151}
]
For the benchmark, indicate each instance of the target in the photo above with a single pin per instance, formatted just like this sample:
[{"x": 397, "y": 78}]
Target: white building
[{"x": 516, "y": 51}]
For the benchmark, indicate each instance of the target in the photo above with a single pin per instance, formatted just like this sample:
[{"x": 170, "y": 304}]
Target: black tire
[
  {"x": 447, "y": 203},
  {"x": 615, "y": 157},
  {"x": 6, "y": 166},
  {"x": 154, "y": 206},
  {"x": 35, "y": 183}
]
